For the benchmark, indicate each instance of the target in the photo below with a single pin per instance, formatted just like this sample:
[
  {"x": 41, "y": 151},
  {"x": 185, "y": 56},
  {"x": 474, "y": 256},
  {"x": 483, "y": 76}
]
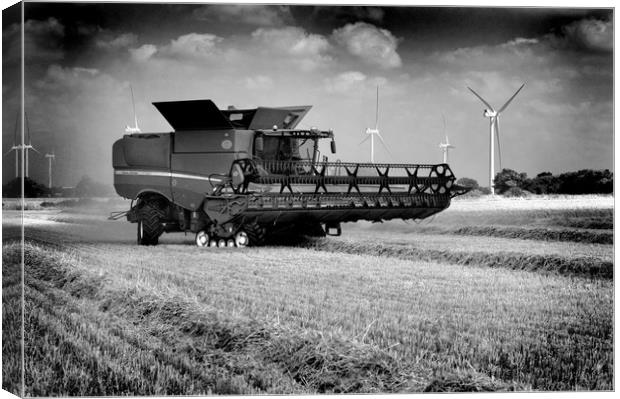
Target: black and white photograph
[{"x": 219, "y": 198}]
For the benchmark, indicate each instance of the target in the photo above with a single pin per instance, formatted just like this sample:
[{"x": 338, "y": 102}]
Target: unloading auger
[{"x": 234, "y": 177}]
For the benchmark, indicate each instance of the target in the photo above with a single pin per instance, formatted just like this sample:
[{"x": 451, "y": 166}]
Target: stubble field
[{"x": 488, "y": 295}]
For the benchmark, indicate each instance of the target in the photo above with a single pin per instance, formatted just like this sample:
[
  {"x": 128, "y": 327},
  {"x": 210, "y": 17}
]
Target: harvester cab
[{"x": 236, "y": 176}]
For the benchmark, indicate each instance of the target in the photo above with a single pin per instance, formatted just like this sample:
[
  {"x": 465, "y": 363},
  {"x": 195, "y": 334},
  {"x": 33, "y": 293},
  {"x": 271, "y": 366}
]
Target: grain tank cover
[
  {"x": 205, "y": 115},
  {"x": 266, "y": 118},
  {"x": 193, "y": 115}
]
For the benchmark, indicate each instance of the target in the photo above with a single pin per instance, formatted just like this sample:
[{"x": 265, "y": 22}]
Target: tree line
[
  {"x": 86, "y": 187},
  {"x": 511, "y": 182}
]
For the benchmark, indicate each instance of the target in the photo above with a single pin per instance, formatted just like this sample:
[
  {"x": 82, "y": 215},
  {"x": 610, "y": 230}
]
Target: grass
[
  {"x": 239, "y": 322},
  {"x": 582, "y": 266},
  {"x": 387, "y": 308}
]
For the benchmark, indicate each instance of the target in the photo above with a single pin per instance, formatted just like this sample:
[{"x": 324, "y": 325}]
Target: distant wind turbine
[
  {"x": 28, "y": 147},
  {"x": 445, "y": 146},
  {"x": 135, "y": 128},
  {"x": 375, "y": 132},
  {"x": 493, "y": 116},
  {"x": 17, "y": 148}
]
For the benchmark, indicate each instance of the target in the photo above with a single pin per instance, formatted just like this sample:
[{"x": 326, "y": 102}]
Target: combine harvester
[{"x": 233, "y": 177}]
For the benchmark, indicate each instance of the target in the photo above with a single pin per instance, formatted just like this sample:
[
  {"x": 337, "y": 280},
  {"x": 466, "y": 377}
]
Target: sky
[{"x": 81, "y": 60}]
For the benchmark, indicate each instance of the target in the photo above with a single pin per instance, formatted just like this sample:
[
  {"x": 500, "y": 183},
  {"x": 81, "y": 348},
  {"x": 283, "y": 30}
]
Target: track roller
[
  {"x": 202, "y": 238},
  {"x": 221, "y": 243},
  {"x": 242, "y": 239}
]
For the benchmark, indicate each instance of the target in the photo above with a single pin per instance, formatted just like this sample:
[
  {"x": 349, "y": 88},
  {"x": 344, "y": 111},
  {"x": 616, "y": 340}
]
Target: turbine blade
[
  {"x": 7, "y": 153},
  {"x": 499, "y": 148},
  {"x": 365, "y": 140},
  {"x": 481, "y": 99},
  {"x": 385, "y": 145},
  {"x": 510, "y": 99},
  {"x": 35, "y": 150},
  {"x": 377, "y": 110},
  {"x": 444, "y": 123}
]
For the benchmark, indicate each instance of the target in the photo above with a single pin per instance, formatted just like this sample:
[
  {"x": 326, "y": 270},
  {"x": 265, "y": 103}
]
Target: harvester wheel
[
  {"x": 256, "y": 234},
  {"x": 202, "y": 238},
  {"x": 149, "y": 224}
]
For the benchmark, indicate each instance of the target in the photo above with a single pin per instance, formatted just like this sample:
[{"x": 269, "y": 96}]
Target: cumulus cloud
[
  {"x": 194, "y": 45},
  {"x": 344, "y": 82},
  {"x": 143, "y": 52},
  {"x": 373, "y": 45},
  {"x": 117, "y": 42},
  {"x": 256, "y": 15},
  {"x": 590, "y": 34},
  {"x": 519, "y": 41},
  {"x": 310, "y": 50}
]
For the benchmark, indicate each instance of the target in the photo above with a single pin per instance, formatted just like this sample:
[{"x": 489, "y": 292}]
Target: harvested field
[{"x": 385, "y": 308}]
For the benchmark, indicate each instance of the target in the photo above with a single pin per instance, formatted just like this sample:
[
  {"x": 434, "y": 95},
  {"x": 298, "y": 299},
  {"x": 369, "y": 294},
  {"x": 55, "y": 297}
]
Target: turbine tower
[
  {"x": 375, "y": 132},
  {"x": 493, "y": 116},
  {"x": 444, "y": 148},
  {"x": 50, "y": 157}
]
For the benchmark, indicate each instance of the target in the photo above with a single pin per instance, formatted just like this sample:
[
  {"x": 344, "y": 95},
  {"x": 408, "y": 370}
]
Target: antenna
[{"x": 493, "y": 116}]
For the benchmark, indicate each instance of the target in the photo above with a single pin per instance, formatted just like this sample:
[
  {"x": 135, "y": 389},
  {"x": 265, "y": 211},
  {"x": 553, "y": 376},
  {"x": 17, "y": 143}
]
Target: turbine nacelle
[
  {"x": 372, "y": 131},
  {"x": 489, "y": 113}
]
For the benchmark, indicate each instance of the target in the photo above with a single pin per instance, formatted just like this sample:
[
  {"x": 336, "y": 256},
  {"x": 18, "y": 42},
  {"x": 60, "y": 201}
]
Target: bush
[{"x": 516, "y": 192}]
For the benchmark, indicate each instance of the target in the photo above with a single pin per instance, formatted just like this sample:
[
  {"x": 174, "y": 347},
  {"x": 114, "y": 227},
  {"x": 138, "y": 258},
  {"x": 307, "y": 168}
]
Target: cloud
[
  {"x": 344, "y": 82},
  {"x": 519, "y": 41},
  {"x": 120, "y": 41},
  {"x": 373, "y": 45},
  {"x": 590, "y": 34},
  {"x": 259, "y": 82},
  {"x": 43, "y": 41},
  {"x": 309, "y": 50},
  {"x": 193, "y": 45},
  {"x": 256, "y": 15},
  {"x": 143, "y": 52},
  {"x": 340, "y": 15}
]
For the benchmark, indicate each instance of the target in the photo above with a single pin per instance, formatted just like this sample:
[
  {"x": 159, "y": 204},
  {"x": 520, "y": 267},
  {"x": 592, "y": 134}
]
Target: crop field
[{"x": 490, "y": 295}]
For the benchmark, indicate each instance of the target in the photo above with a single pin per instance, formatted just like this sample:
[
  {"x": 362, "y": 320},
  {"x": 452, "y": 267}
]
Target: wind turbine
[
  {"x": 445, "y": 146},
  {"x": 50, "y": 157},
  {"x": 375, "y": 132},
  {"x": 28, "y": 147},
  {"x": 133, "y": 129},
  {"x": 493, "y": 116},
  {"x": 15, "y": 148}
]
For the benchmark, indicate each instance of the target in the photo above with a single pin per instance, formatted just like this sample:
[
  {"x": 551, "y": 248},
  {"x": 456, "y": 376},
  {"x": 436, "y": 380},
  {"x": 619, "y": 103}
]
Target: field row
[
  {"x": 99, "y": 336},
  {"x": 412, "y": 325}
]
